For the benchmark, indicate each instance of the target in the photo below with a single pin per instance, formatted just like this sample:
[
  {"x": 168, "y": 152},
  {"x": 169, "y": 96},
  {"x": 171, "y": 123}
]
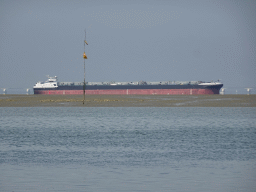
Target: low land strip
[{"x": 128, "y": 101}]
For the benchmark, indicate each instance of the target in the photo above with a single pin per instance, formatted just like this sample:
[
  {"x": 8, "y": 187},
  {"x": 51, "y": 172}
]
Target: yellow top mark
[
  {"x": 85, "y": 57},
  {"x": 85, "y": 42}
]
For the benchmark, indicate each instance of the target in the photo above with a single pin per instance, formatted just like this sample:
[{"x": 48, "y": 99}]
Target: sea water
[{"x": 128, "y": 149}]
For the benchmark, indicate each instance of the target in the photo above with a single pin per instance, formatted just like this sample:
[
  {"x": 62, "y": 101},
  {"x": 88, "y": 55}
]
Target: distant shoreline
[{"x": 128, "y": 100}]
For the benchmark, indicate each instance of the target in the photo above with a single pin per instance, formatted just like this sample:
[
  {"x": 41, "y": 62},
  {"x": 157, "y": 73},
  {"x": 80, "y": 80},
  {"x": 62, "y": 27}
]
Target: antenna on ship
[{"x": 85, "y": 57}]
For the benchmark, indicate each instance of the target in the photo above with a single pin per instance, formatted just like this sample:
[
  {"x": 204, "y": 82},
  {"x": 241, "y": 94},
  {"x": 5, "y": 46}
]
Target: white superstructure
[{"x": 50, "y": 83}]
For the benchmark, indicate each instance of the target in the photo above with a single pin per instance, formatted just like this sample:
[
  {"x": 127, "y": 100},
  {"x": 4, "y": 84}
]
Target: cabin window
[{"x": 54, "y": 84}]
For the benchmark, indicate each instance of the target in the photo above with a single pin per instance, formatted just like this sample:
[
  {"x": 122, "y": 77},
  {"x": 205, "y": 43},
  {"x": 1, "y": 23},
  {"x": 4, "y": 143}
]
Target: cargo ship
[{"x": 52, "y": 86}]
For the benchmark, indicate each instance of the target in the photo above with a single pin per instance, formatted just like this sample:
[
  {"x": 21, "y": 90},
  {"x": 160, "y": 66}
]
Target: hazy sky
[{"x": 129, "y": 40}]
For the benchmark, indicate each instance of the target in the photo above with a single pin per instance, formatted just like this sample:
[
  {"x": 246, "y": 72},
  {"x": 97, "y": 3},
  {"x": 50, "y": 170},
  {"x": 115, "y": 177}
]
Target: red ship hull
[{"x": 130, "y": 92}]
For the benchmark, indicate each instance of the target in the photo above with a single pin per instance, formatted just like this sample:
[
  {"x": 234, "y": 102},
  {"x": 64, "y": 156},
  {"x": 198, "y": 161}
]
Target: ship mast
[{"x": 85, "y": 57}]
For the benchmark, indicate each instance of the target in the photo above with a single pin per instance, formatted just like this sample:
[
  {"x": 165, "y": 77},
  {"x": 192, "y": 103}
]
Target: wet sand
[{"x": 128, "y": 101}]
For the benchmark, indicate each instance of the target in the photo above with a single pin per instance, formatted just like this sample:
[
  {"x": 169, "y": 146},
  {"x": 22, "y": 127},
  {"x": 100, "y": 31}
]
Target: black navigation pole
[{"x": 85, "y": 57}]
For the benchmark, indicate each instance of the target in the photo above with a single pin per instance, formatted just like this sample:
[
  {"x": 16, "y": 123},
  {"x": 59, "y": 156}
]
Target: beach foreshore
[{"x": 128, "y": 101}]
